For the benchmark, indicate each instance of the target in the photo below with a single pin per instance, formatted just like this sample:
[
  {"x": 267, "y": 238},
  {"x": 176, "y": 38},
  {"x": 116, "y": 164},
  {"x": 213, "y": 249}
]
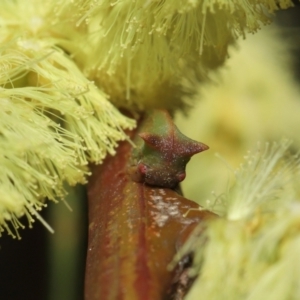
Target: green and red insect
[
  {"x": 136, "y": 217},
  {"x": 162, "y": 152}
]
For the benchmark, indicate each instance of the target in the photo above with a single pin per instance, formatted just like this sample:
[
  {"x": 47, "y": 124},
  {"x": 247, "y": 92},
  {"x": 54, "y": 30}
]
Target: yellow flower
[
  {"x": 53, "y": 120},
  {"x": 253, "y": 98},
  {"x": 252, "y": 252},
  {"x": 142, "y": 50},
  {"x": 140, "y": 54}
]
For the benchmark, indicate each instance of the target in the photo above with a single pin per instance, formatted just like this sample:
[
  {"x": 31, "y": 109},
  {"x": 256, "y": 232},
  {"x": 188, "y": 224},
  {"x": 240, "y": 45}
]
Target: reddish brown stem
[{"x": 134, "y": 231}]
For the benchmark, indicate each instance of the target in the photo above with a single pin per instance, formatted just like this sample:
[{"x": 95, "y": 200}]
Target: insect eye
[
  {"x": 142, "y": 168},
  {"x": 180, "y": 176}
]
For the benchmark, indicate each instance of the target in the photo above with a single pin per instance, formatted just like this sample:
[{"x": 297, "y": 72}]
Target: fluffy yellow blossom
[
  {"x": 53, "y": 119},
  {"x": 144, "y": 49},
  {"x": 254, "y": 97},
  {"x": 65, "y": 64},
  {"x": 252, "y": 252}
]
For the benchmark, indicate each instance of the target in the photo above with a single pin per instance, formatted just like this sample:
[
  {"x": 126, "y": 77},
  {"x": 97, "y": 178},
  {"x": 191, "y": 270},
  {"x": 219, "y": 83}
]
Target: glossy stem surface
[{"x": 134, "y": 231}]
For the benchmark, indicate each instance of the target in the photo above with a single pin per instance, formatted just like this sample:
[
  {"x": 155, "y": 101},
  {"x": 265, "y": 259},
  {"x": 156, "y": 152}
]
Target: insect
[{"x": 162, "y": 151}]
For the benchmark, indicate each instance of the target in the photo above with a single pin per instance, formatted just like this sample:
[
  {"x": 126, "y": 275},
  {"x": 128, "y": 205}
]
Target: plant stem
[{"x": 134, "y": 230}]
